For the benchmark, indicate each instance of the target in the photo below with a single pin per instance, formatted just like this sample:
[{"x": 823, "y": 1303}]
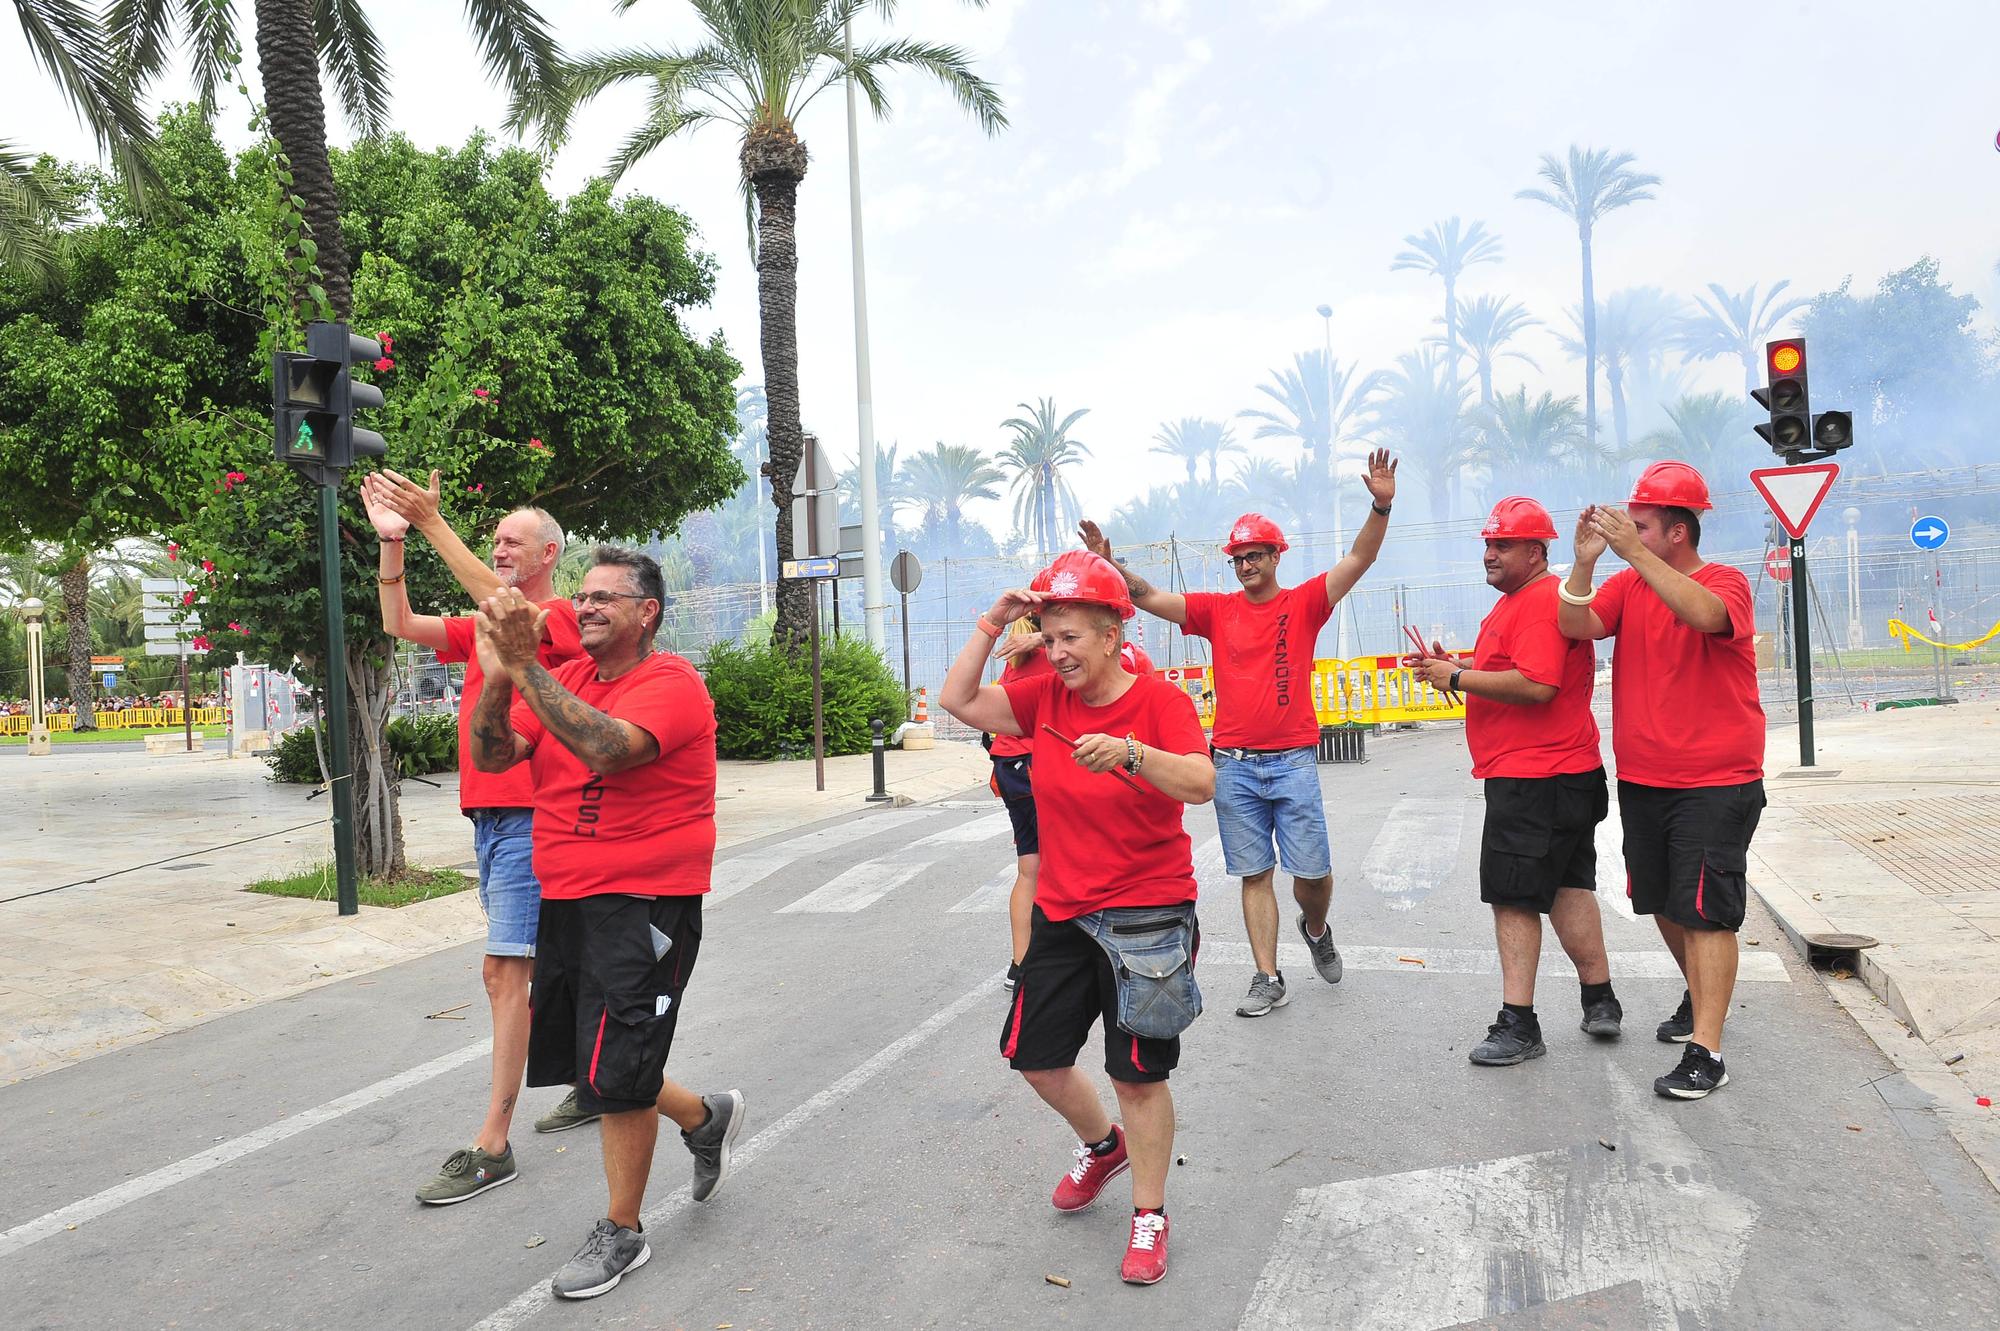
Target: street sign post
[
  {"x": 1795, "y": 494},
  {"x": 162, "y": 603},
  {"x": 815, "y": 570},
  {"x": 1929, "y": 533},
  {"x": 906, "y": 574}
]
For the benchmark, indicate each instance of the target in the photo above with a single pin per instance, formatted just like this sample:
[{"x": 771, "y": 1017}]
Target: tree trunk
[
  {"x": 1485, "y": 381},
  {"x": 76, "y": 618},
  {"x": 378, "y": 814},
  {"x": 774, "y": 162},
  {"x": 1615, "y": 379},
  {"x": 288, "y": 60},
  {"x": 1450, "y": 331},
  {"x": 1589, "y": 347}
]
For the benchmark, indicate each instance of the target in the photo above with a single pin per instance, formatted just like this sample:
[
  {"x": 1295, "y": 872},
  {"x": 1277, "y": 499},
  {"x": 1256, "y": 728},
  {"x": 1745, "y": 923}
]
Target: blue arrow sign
[{"x": 1929, "y": 533}]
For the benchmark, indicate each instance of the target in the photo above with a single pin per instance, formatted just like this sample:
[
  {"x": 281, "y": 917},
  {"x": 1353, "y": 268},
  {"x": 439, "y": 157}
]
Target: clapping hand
[{"x": 507, "y": 630}]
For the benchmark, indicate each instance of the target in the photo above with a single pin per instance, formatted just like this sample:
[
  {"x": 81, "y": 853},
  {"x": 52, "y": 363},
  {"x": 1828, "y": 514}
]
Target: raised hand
[
  {"x": 1094, "y": 539},
  {"x": 1616, "y": 528},
  {"x": 418, "y": 504},
  {"x": 388, "y": 523},
  {"x": 1590, "y": 542},
  {"x": 1381, "y": 477},
  {"x": 1014, "y": 603}
]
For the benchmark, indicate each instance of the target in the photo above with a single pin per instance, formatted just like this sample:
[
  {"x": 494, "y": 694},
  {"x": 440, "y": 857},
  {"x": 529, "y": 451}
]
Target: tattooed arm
[
  {"x": 605, "y": 743},
  {"x": 495, "y": 745},
  {"x": 1170, "y": 606}
]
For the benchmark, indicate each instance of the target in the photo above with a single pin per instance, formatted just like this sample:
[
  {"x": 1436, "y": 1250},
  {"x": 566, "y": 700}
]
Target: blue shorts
[
  {"x": 508, "y": 891},
  {"x": 1267, "y": 797}
]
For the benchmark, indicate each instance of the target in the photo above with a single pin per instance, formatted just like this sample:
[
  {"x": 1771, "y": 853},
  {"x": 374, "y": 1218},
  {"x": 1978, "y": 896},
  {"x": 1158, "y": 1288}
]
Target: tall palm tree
[
  {"x": 1738, "y": 324},
  {"x": 1528, "y": 443},
  {"x": 761, "y": 64},
  {"x": 1275, "y": 490},
  {"x": 1707, "y": 427},
  {"x": 1486, "y": 325},
  {"x": 1045, "y": 507},
  {"x": 1318, "y": 402},
  {"x": 1593, "y": 182},
  {"x": 1421, "y": 416},
  {"x": 942, "y": 480},
  {"x": 1191, "y": 439},
  {"x": 1446, "y": 252},
  {"x": 1634, "y": 327}
]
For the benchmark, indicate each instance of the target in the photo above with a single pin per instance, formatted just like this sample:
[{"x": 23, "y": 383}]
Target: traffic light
[
  {"x": 1790, "y": 429},
  {"x": 314, "y": 397},
  {"x": 1832, "y": 430}
]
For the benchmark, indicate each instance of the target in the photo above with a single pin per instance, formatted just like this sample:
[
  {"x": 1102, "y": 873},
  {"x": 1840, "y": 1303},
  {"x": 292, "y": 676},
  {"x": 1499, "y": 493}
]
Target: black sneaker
[
  {"x": 1013, "y": 976},
  {"x": 1699, "y": 1073},
  {"x": 1679, "y": 1028},
  {"x": 1508, "y": 1041},
  {"x": 1603, "y": 1018}
]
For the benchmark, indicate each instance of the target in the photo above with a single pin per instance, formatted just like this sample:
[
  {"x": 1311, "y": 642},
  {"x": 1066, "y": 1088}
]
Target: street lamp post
[
  {"x": 38, "y": 722},
  {"x": 873, "y": 598},
  {"x": 1333, "y": 455}
]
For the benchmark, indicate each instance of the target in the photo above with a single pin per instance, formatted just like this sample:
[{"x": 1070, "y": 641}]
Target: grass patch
[
  {"x": 403, "y": 889},
  {"x": 108, "y": 736}
]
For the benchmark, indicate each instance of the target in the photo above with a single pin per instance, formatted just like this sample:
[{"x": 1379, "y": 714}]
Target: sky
[{"x": 1184, "y": 181}]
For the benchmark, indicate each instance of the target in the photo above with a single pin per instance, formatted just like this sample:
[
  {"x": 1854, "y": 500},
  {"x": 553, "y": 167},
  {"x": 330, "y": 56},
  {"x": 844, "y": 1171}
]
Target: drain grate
[{"x": 1941, "y": 847}]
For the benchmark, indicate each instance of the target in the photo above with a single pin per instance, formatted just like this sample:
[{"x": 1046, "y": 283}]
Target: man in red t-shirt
[
  {"x": 621, "y": 743},
  {"x": 526, "y": 545},
  {"x": 1688, "y": 733},
  {"x": 1268, "y": 806},
  {"x": 1534, "y": 744}
]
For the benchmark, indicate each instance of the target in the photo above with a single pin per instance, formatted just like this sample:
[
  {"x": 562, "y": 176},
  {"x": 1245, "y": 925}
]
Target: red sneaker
[
  {"x": 1146, "y": 1254},
  {"x": 1079, "y": 1187}
]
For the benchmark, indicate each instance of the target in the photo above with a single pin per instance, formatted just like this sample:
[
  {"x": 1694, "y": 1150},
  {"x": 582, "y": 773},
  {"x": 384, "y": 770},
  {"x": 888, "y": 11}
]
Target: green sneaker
[
  {"x": 569, "y": 1114},
  {"x": 466, "y": 1174}
]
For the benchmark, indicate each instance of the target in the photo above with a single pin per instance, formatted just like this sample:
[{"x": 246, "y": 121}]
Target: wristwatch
[
  {"x": 1453, "y": 686},
  {"x": 1383, "y": 509}
]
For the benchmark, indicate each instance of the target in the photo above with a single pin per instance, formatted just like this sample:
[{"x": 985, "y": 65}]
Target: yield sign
[{"x": 1795, "y": 493}]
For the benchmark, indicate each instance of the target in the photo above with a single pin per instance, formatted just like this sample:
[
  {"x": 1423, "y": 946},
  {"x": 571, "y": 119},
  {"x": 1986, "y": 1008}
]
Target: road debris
[
  {"x": 445, "y": 1014},
  {"x": 1414, "y": 961},
  {"x": 1180, "y": 1159},
  {"x": 1955, "y": 1058},
  {"x": 1854, "y": 1127},
  {"x": 1057, "y": 1280},
  {"x": 1983, "y": 1101},
  {"x": 1607, "y": 1145},
  {"x": 535, "y": 1242}
]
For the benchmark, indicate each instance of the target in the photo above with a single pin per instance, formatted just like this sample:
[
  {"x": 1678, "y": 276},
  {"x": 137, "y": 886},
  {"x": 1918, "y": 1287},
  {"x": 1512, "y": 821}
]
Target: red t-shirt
[
  {"x": 1263, "y": 663},
  {"x": 649, "y": 831},
  {"x": 1553, "y": 738},
  {"x": 1103, "y": 843},
  {"x": 1026, "y": 666},
  {"x": 513, "y": 788},
  {"x": 1684, "y": 709}
]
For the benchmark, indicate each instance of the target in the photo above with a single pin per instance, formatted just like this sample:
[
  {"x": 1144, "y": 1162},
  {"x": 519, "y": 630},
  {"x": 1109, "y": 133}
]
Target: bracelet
[
  {"x": 388, "y": 582},
  {"x": 1571, "y": 598},
  {"x": 390, "y": 540},
  {"x": 1452, "y": 687},
  {"x": 1383, "y": 509},
  {"x": 1134, "y": 755},
  {"x": 987, "y": 626}
]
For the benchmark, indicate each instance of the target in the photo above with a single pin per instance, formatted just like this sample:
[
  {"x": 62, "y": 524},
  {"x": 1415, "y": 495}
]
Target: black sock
[
  {"x": 1108, "y": 1145},
  {"x": 1525, "y": 1011},
  {"x": 1159, "y": 1211},
  {"x": 1595, "y": 993}
]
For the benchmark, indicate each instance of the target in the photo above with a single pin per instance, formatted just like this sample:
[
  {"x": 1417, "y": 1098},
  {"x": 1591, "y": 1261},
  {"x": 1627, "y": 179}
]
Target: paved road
[{"x": 1345, "y": 1166}]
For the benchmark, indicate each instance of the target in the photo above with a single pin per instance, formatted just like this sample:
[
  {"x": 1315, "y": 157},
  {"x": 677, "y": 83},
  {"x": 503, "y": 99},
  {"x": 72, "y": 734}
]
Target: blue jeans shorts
[
  {"x": 508, "y": 890},
  {"x": 1263, "y": 798}
]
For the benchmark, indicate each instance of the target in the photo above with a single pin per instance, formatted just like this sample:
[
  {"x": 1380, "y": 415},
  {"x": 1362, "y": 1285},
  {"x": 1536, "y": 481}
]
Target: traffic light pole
[
  {"x": 1802, "y": 652},
  {"x": 340, "y": 774}
]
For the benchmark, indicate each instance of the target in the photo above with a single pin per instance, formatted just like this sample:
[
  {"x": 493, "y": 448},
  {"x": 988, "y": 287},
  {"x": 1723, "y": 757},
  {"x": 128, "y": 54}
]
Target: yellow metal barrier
[
  {"x": 1368, "y": 690},
  {"x": 129, "y": 718}
]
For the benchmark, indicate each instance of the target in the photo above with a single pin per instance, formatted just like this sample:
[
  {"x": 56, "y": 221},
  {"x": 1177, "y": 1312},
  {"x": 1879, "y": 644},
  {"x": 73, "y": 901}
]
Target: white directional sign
[
  {"x": 1460, "y": 1243},
  {"x": 176, "y": 648},
  {"x": 1795, "y": 493},
  {"x": 166, "y": 632}
]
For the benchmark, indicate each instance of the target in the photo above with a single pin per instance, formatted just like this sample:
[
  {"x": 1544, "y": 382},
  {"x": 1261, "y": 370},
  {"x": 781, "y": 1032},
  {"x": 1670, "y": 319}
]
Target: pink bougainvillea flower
[
  {"x": 232, "y": 479},
  {"x": 482, "y": 393},
  {"x": 208, "y": 566},
  {"x": 201, "y": 643},
  {"x": 476, "y": 489},
  {"x": 235, "y": 627},
  {"x": 536, "y": 443},
  {"x": 187, "y": 598},
  {"x": 388, "y": 343},
  {"x": 173, "y": 551},
  {"x": 385, "y": 364}
]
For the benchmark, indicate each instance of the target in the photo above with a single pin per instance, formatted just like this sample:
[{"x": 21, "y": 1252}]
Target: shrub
[
  {"x": 420, "y": 746},
  {"x": 763, "y": 697}
]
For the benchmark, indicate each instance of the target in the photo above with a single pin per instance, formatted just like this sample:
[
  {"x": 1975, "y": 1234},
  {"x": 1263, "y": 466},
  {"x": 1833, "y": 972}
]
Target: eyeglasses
[
  {"x": 1249, "y": 557},
  {"x": 602, "y": 600}
]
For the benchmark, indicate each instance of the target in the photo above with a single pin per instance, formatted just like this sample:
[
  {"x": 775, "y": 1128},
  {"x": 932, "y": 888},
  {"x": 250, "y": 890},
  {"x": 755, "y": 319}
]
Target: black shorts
[
  {"x": 1013, "y": 783},
  {"x": 603, "y": 1008},
  {"x": 1686, "y": 851},
  {"x": 1067, "y": 984},
  {"x": 1541, "y": 835}
]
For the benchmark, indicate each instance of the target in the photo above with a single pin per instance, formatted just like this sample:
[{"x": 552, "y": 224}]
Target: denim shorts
[
  {"x": 508, "y": 891},
  {"x": 1272, "y": 797}
]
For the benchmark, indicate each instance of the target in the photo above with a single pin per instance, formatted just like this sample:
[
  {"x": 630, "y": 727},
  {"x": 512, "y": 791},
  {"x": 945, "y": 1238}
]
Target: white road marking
[
  {"x": 1416, "y": 849},
  {"x": 180, "y": 1171},
  {"x": 742, "y": 872},
  {"x": 1440, "y": 1247},
  {"x": 1208, "y": 868},
  {"x": 990, "y": 897},
  {"x": 1657, "y": 964},
  {"x": 855, "y": 889},
  {"x": 972, "y": 830},
  {"x": 537, "y": 1297}
]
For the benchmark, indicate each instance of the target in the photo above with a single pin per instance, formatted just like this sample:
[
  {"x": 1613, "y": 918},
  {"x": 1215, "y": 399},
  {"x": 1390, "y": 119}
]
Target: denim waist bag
[{"x": 1152, "y": 953}]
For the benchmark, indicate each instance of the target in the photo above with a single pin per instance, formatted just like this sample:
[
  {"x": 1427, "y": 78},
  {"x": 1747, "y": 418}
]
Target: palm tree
[
  {"x": 1529, "y": 443},
  {"x": 1191, "y": 439},
  {"x": 761, "y": 65},
  {"x": 1421, "y": 416},
  {"x": 1275, "y": 490},
  {"x": 1707, "y": 427},
  {"x": 1593, "y": 182},
  {"x": 1737, "y": 324},
  {"x": 1486, "y": 325},
  {"x": 942, "y": 480},
  {"x": 1633, "y": 327},
  {"x": 1045, "y": 507},
  {"x": 1318, "y": 400},
  {"x": 1446, "y": 252}
]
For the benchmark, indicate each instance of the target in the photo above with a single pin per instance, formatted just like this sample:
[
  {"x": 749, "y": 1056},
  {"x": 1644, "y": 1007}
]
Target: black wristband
[
  {"x": 1383, "y": 509},
  {"x": 1453, "y": 686}
]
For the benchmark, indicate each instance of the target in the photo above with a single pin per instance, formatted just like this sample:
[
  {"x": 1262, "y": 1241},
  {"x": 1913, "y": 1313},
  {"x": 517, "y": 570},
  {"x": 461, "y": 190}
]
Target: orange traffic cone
[{"x": 923, "y": 716}]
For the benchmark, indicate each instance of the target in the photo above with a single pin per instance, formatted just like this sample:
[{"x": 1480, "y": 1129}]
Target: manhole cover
[{"x": 1840, "y": 942}]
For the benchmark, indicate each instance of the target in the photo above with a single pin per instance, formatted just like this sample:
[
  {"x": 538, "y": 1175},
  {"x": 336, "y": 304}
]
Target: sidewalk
[
  {"x": 165, "y": 937},
  {"x": 1895, "y": 835}
]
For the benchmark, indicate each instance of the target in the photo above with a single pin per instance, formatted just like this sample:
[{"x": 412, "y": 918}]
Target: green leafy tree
[
  {"x": 1706, "y": 430},
  {"x": 1531, "y": 446},
  {"x": 1320, "y": 402},
  {"x": 1192, "y": 440},
  {"x": 1590, "y": 184},
  {"x": 1445, "y": 251},
  {"x": 1045, "y": 507},
  {"x": 940, "y": 481},
  {"x": 759, "y": 65},
  {"x": 1421, "y": 416},
  {"x": 1737, "y": 323}
]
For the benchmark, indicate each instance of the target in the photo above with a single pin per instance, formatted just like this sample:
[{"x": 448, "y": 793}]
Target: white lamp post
[
  {"x": 38, "y": 723},
  {"x": 1341, "y": 613}
]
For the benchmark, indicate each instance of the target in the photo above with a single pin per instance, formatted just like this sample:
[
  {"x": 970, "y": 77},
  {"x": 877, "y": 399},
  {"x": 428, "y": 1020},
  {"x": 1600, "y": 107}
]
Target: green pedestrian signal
[{"x": 313, "y": 400}]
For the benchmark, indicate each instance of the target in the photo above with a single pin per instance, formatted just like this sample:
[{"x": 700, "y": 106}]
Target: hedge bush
[
  {"x": 763, "y": 697},
  {"x": 420, "y": 746}
]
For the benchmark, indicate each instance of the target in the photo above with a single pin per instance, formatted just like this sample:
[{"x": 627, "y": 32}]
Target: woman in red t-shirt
[{"x": 1117, "y": 757}]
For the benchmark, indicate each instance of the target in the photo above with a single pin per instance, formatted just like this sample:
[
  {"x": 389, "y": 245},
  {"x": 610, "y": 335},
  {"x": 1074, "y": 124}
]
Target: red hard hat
[
  {"x": 1518, "y": 518},
  {"x": 1254, "y": 529},
  {"x": 1078, "y": 576},
  {"x": 1671, "y": 485},
  {"x": 1133, "y": 657}
]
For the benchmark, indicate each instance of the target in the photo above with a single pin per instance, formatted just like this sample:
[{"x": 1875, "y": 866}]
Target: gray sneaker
[
  {"x": 1326, "y": 957},
  {"x": 711, "y": 1142},
  {"x": 610, "y": 1254},
  {"x": 1266, "y": 992},
  {"x": 466, "y": 1174},
  {"x": 569, "y": 1114}
]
